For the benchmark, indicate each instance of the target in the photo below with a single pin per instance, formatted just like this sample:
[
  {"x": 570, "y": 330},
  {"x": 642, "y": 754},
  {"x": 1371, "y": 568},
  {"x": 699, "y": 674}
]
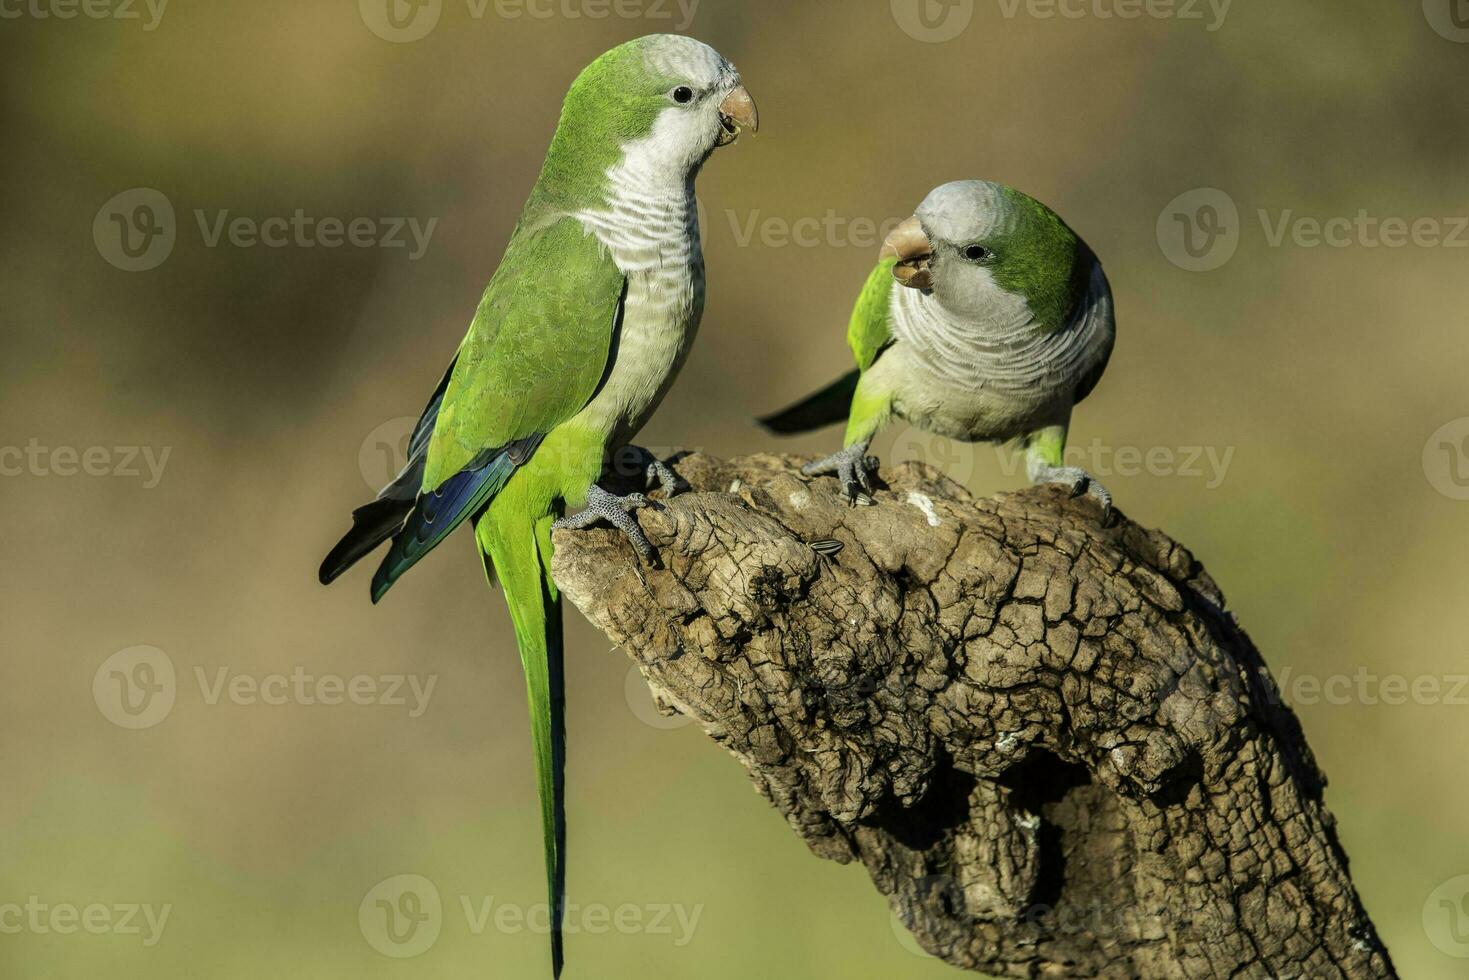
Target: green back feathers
[
  {"x": 1039, "y": 257},
  {"x": 869, "y": 331}
]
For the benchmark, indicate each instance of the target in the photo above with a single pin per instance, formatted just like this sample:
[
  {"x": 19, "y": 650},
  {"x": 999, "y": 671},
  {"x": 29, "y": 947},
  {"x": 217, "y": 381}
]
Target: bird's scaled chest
[
  {"x": 973, "y": 408},
  {"x": 661, "y": 313},
  {"x": 660, "y": 319},
  {"x": 974, "y": 414}
]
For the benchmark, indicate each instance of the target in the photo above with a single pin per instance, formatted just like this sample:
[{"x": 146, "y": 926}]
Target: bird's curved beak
[
  {"x": 737, "y": 112},
  {"x": 909, "y": 244}
]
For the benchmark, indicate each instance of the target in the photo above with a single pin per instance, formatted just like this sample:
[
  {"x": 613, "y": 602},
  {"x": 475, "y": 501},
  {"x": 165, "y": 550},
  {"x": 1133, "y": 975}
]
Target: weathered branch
[{"x": 1053, "y": 749}]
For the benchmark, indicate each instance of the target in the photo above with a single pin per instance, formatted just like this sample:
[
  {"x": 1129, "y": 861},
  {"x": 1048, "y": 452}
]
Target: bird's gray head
[
  {"x": 975, "y": 244},
  {"x": 706, "y": 104}
]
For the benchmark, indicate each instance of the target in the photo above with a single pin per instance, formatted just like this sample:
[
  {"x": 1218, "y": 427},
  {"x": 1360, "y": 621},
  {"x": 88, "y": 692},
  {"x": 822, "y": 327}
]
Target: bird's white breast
[
  {"x": 650, "y": 228},
  {"x": 994, "y": 379}
]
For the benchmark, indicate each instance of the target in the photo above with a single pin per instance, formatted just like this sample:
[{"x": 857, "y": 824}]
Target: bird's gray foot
[
  {"x": 618, "y": 512},
  {"x": 1079, "y": 482},
  {"x": 853, "y": 469}
]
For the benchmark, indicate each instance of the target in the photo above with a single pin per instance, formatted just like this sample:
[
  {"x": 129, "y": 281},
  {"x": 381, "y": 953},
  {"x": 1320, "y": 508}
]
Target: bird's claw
[
  {"x": 618, "y": 512},
  {"x": 652, "y": 468},
  {"x": 853, "y": 469},
  {"x": 1080, "y": 483},
  {"x": 668, "y": 481}
]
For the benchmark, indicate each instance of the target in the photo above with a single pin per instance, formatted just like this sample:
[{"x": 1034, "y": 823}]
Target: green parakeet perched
[
  {"x": 986, "y": 319},
  {"x": 575, "y": 342}
]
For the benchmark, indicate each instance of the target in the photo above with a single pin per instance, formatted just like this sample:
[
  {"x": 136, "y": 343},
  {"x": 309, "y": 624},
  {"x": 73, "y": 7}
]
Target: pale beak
[
  {"x": 909, "y": 244},
  {"x": 737, "y": 112}
]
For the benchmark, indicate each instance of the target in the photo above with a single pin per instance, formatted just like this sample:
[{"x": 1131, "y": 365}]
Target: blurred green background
[{"x": 277, "y": 379}]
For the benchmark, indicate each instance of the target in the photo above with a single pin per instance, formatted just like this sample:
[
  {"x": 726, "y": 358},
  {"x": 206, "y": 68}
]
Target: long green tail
[{"x": 517, "y": 546}]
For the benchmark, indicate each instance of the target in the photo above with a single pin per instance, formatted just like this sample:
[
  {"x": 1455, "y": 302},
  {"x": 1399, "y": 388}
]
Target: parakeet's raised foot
[
  {"x": 854, "y": 469},
  {"x": 652, "y": 468},
  {"x": 618, "y": 512}
]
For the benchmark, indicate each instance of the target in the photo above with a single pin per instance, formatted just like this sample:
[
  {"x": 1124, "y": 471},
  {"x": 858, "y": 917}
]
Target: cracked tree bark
[{"x": 1050, "y": 745}]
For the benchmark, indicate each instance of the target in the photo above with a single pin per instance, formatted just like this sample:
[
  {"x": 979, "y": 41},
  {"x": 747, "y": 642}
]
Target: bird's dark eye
[
  {"x": 683, "y": 95},
  {"x": 976, "y": 253}
]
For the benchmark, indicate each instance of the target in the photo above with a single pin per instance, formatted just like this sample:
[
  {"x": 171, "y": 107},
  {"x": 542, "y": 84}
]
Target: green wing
[
  {"x": 535, "y": 355},
  {"x": 868, "y": 333},
  {"x": 537, "y": 351}
]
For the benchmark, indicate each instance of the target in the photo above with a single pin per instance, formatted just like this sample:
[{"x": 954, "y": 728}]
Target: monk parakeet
[
  {"x": 575, "y": 342},
  {"x": 986, "y": 319}
]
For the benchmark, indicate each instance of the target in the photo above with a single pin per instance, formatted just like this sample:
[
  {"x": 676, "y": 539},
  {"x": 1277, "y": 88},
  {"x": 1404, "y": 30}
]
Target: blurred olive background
[{"x": 278, "y": 380}]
